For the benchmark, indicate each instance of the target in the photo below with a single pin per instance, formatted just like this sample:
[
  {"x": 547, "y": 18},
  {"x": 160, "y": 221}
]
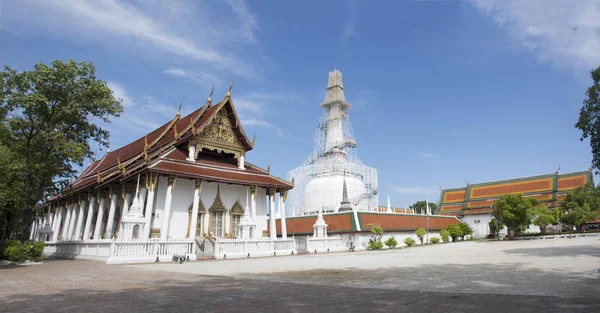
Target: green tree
[
  {"x": 48, "y": 118},
  {"x": 465, "y": 229},
  {"x": 513, "y": 211},
  {"x": 589, "y": 118},
  {"x": 495, "y": 227},
  {"x": 375, "y": 241},
  {"x": 542, "y": 216},
  {"x": 420, "y": 233},
  {"x": 420, "y": 207},
  {"x": 455, "y": 231},
  {"x": 581, "y": 205},
  {"x": 444, "y": 233}
]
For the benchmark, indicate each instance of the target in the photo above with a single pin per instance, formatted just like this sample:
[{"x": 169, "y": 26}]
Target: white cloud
[
  {"x": 416, "y": 190},
  {"x": 429, "y": 155},
  {"x": 249, "y": 22},
  {"x": 181, "y": 28},
  {"x": 561, "y": 32},
  {"x": 262, "y": 123},
  {"x": 351, "y": 20},
  {"x": 198, "y": 78}
]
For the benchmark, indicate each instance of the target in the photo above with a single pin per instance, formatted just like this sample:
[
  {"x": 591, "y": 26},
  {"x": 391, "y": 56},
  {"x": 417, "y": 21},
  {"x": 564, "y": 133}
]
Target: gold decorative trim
[{"x": 172, "y": 180}]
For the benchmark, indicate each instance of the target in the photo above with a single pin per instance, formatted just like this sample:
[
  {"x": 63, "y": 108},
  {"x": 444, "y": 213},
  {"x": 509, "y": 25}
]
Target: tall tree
[
  {"x": 48, "y": 118},
  {"x": 589, "y": 118},
  {"x": 542, "y": 216},
  {"x": 420, "y": 207},
  {"x": 581, "y": 205},
  {"x": 514, "y": 211}
]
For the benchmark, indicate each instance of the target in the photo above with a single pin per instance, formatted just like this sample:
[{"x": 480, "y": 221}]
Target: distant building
[{"x": 474, "y": 203}]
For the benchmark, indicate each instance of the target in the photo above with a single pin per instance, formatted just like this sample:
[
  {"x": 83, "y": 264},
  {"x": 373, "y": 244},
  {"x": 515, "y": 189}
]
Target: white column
[
  {"x": 110, "y": 223},
  {"x": 101, "y": 208},
  {"x": 272, "y": 229},
  {"x": 206, "y": 220},
  {"x": 127, "y": 188},
  {"x": 88, "y": 220},
  {"x": 227, "y": 219},
  {"x": 195, "y": 205},
  {"x": 32, "y": 232},
  {"x": 57, "y": 225},
  {"x": 65, "y": 228},
  {"x": 72, "y": 221},
  {"x": 149, "y": 209},
  {"x": 80, "y": 217},
  {"x": 164, "y": 231},
  {"x": 253, "y": 191},
  {"x": 282, "y": 199}
]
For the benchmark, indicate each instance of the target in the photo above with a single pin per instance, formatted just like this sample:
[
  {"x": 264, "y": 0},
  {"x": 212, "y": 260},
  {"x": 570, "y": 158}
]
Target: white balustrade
[
  {"x": 238, "y": 248},
  {"x": 329, "y": 244}
]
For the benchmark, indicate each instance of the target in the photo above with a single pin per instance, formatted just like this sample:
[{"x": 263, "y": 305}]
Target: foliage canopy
[
  {"x": 589, "y": 118},
  {"x": 48, "y": 118}
]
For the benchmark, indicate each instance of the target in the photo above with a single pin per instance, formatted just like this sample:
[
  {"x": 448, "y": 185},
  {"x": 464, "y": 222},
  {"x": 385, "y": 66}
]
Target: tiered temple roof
[
  {"x": 550, "y": 189},
  {"x": 166, "y": 149}
]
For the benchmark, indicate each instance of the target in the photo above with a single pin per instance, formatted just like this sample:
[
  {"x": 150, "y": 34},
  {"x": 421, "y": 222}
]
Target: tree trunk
[
  {"x": 511, "y": 234},
  {"x": 543, "y": 229}
]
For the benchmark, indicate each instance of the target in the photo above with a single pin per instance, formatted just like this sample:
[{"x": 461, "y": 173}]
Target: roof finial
[
  {"x": 209, "y": 100},
  {"x": 558, "y": 169},
  {"x": 269, "y": 168},
  {"x": 253, "y": 140},
  {"x": 230, "y": 86},
  {"x": 179, "y": 110}
]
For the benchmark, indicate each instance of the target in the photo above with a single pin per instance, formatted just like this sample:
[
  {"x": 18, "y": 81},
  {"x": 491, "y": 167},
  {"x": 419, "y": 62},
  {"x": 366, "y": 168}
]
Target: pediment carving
[{"x": 220, "y": 136}]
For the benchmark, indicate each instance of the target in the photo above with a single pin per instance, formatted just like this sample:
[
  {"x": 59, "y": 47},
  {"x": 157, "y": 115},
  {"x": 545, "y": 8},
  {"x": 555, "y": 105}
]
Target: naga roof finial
[
  {"x": 230, "y": 86},
  {"x": 179, "y": 110},
  {"x": 253, "y": 140},
  {"x": 209, "y": 100}
]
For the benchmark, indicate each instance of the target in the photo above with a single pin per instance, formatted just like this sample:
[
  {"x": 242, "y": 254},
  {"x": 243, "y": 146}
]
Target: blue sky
[{"x": 443, "y": 92}]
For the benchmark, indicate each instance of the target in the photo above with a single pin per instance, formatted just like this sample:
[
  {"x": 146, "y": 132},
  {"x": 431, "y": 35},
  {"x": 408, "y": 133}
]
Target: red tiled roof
[
  {"x": 221, "y": 174},
  {"x": 345, "y": 223},
  {"x": 154, "y": 144},
  {"x": 404, "y": 222}
]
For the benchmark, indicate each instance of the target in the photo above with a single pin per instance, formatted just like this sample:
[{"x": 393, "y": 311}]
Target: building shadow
[
  {"x": 587, "y": 250},
  {"x": 94, "y": 287}
]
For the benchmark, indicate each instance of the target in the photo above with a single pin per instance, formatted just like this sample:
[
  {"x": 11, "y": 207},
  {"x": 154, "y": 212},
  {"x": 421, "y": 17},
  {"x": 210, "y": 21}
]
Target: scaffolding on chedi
[{"x": 319, "y": 181}]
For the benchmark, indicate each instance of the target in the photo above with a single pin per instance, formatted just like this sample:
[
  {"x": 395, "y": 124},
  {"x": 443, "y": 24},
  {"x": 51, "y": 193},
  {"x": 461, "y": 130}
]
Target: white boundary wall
[
  {"x": 118, "y": 252},
  {"x": 229, "y": 248}
]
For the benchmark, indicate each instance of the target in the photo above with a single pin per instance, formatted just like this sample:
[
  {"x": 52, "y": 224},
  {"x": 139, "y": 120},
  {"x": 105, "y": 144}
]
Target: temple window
[
  {"x": 236, "y": 216},
  {"x": 216, "y": 222}
]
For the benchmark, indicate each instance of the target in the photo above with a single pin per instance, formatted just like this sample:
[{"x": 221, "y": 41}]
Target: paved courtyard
[{"x": 561, "y": 275}]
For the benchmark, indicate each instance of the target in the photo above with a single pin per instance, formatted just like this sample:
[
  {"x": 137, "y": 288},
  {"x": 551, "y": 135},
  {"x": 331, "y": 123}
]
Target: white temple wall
[
  {"x": 482, "y": 229},
  {"x": 183, "y": 195},
  {"x": 161, "y": 194},
  {"x": 361, "y": 240}
]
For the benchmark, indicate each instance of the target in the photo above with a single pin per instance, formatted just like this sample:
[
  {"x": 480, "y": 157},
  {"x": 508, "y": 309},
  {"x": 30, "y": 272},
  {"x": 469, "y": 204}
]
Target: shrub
[
  {"x": 391, "y": 242},
  {"x": 16, "y": 251},
  {"x": 465, "y": 229},
  {"x": 420, "y": 233},
  {"x": 375, "y": 245},
  {"x": 455, "y": 232},
  {"x": 445, "y": 234},
  {"x": 37, "y": 253},
  {"x": 409, "y": 242},
  {"x": 435, "y": 240}
]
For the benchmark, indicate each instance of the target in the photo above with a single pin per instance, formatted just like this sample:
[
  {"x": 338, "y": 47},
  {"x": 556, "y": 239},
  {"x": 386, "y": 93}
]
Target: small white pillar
[
  {"x": 247, "y": 225},
  {"x": 149, "y": 208},
  {"x": 88, "y": 220},
  {"x": 32, "y": 232},
  {"x": 110, "y": 222},
  {"x": 282, "y": 199},
  {"x": 133, "y": 221},
  {"x": 320, "y": 227},
  {"x": 164, "y": 231},
  {"x": 389, "y": 207},
  {"x": 195, "y": 206},
  {"x": 101, "y": 208},
  {"x": 272, "y": 226},
  {"x": 59, "y": 222}
]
